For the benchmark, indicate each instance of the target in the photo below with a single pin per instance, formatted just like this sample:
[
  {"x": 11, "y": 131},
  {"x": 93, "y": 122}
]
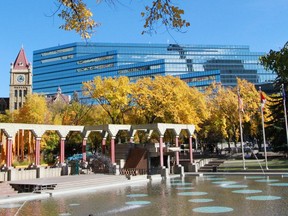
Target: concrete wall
[
  {"x": 26, "y": 174},
  {"x": 3, "y": 176},
  {"x": 47, "y": 172},
  {"x": 21, "y": 174}
]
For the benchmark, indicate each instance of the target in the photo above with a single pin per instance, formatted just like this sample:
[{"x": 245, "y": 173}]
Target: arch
[
  {"x": 161, "y": 128},
  {"x": 11, "y": 129}
]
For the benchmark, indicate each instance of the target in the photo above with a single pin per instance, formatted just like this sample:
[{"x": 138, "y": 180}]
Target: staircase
[
  {"x": 78, "y": 182},
  {"x": 211, "y": 166},
  {"x": 6, "y": 189},
  {"x": 63, "y": 184}
]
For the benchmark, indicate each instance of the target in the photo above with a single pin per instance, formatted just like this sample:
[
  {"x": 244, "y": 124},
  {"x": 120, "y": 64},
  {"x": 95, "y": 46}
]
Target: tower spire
[{"x": 21, "y": 61}]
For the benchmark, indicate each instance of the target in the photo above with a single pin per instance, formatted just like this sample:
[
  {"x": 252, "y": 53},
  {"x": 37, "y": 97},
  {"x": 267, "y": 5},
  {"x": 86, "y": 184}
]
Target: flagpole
[
  {"x": 285, "y": 112},
  {"x": 263, "y": 128},
  {"x": 241, "y": 129}
]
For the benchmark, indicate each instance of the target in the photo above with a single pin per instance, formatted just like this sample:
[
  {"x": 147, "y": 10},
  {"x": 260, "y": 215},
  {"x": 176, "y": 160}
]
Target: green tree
[{"x": 277, "y": 61}]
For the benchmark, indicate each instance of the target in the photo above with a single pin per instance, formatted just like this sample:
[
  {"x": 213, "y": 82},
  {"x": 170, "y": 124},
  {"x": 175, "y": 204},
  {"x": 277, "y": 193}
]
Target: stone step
[
  {"x": 94, "y": 181},
  {"x": 6, "y": 189},
  {"x": 210, "y": 166},
  {"x": 201, "y": 170}
]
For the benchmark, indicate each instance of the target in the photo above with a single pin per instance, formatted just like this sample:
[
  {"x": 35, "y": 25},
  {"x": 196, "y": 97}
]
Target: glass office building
[{"x": 69, "y": 65}]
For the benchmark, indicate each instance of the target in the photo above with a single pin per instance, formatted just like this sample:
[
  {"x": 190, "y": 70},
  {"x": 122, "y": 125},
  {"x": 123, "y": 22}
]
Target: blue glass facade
[{"x": 199, "y": 65}]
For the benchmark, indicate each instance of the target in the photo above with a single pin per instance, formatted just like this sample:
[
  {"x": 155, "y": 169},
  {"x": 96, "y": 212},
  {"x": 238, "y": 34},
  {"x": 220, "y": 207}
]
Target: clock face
[{"x": 20, "y": 78}]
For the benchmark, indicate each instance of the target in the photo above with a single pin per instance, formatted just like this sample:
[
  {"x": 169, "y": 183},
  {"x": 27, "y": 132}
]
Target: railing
[
  {"x": 154, "y": 170},
  {"x": 133, "y": 171},
  {"x": 100, "y": 169}
]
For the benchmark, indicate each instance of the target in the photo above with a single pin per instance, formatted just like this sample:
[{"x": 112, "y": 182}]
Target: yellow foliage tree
[
  {"x": 251, "y": 106},
  {"x": 168, "y": 99},
  {"x": 223, "y": 104},
  {"x": 34, "y": 111},
  {"x": 79, "y": 18},
  {"x": 112, "y": 94}
]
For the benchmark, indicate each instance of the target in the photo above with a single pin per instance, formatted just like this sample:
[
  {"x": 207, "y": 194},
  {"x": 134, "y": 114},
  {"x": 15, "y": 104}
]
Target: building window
[
  {"x": 25, "y": 93},
  {"x": 57, "y": 59},
  {"x": 16, "y": 93},
  {"x": 57, "y": 51},
  {"x": 96, "y": 67},
  {"x": 20, "y": 93},
  {"x": 97, "y": 59},
  {"x": 15, "y": 105}
]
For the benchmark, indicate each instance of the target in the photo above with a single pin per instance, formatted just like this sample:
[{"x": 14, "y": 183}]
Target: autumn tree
[
  {"x": 168, "y": 99},
  {"x": 165, "y": 13},
  {"x": 225, "y": 113},
  {"x": 50, "y": 146},
  {"x": 214, "y": 127},
  {"x": 252, "y": 126},
  {"x": 34, "y": 111},
  {"x": 112, "y": 94},
  {"x": 77, "y": 112},
  {"x": 6, "y": 117},
  {"x": 78, "y": 17},
  {"x": 223, "y": 122}
]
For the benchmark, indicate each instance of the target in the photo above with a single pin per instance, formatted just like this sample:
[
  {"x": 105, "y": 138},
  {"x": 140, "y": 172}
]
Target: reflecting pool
[{"x": 206, "y": 195}]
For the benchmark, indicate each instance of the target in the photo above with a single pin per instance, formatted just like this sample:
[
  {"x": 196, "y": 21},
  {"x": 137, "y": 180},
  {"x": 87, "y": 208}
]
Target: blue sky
[{"x": 261, "y": 24}]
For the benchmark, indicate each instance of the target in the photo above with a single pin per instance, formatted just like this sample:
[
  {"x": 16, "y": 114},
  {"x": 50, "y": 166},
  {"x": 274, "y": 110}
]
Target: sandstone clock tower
[{"x": 20, "y": 81}]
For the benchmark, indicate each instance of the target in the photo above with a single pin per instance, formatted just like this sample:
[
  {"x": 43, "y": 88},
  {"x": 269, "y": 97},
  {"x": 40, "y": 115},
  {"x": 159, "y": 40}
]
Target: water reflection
[{"x": 166, "y": 197}]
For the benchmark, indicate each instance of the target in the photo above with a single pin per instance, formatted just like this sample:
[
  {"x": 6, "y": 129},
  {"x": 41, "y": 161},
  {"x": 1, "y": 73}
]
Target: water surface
[{"x": 224, "y": 195}]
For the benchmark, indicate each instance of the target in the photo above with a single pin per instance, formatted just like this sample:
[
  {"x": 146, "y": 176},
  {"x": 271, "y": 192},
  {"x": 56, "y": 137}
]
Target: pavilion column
[
  {"x": 84, "y": 142},
  {"x": 112, "y": 150},
  {"x": 177, "y": 152},
  {"x": 161, "y": 151},
  {"x": 190, "y": 149},
  {"x": 103, "y": 145},
  {"x": 18, "y": 144},
  {"x": 22, "y": 145},
  {"x": 9, "y": 144},
  {"x": 37, "y": 151},
  {"x": 62, "y": 150}
]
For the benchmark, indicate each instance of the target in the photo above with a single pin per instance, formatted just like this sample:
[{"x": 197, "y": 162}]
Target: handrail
[{"x": 132, "y": 171}]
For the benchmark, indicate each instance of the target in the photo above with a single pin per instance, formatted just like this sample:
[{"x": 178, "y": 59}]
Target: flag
[
  {"x": 262, "y": 99},
  {"x": 240, "y": 102}
]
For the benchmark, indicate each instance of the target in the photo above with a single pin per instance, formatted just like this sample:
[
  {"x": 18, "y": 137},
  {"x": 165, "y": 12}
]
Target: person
[
  {"x": 31, "y": 166},
  {"x": 4, "y": 167},
  {"x": 217, "y": 150},
  {"x": 173, "y": 162},
  {"x": 84, "y": 164}
]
